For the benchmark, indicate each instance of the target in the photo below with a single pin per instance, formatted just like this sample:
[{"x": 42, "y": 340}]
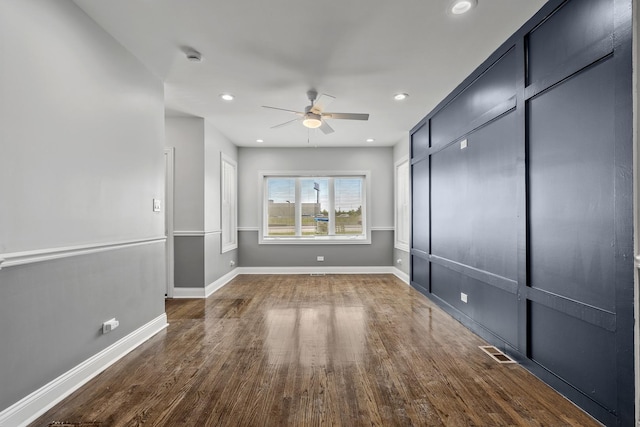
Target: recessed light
[
  {"x": 227, "y": 96},
  {"x": 370, "y": 139},
  {"x": 458, "y": 7},
  {"x": 259, "y": 140},
  {"x": 400, "y": 96}
]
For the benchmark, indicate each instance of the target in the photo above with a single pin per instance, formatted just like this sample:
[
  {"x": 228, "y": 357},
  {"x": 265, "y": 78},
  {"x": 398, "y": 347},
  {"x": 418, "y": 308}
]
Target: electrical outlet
[
  {"x": 109, "y": 325},
  {"x": 320, "y": 258},
  {"x": 463, "y": 297}
]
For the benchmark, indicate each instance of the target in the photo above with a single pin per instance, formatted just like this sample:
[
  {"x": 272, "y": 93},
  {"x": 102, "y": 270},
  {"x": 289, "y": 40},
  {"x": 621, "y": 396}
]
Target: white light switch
[
  {"x": 463, "y": 144},
  {"x": 156, "y": 205},
  {"x": 463, "y": 297}
]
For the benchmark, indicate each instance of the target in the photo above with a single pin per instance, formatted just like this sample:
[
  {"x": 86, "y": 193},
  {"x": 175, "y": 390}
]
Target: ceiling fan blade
[
  {"x": 321, "y": 103},
  {"x": 325, "y": 128},
  {"x": 283, "y": 109},
  {"x": 346, "y": 116},
  {"x": 285, "y": 123}
]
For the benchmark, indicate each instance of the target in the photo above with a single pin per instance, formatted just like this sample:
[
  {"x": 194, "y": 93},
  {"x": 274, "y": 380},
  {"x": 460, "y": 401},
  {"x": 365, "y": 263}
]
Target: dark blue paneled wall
[{"x": 522, "y": 200}]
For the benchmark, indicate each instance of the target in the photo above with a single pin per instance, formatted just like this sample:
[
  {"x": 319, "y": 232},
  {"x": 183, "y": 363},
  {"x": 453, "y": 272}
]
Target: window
[
  {"x": 402, "y": 195},
  {"x": 314, "y": 208},
  {"x": 228, "y": 203}
]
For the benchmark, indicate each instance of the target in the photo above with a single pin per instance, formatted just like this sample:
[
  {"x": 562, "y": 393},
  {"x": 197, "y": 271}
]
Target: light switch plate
[
  {"x": 463, "y": 144},
  {"x": 463, "y": 297},
  {"x": 156, "y": 205}
]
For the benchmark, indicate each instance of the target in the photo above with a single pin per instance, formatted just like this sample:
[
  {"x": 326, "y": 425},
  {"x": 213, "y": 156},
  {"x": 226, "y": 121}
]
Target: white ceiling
[{"x": 270, "y": 52}]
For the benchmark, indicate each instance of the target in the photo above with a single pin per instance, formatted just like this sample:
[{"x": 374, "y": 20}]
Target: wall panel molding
[
  {"x": 29, "y": 257},
  {"x": 507, "y": 285},
  {"x": 191, "y": 233}
]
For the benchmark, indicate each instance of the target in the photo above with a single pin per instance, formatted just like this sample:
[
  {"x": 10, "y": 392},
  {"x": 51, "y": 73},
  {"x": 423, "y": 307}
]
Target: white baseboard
[
  {"x": 211, "y": 288},
  {"x": 402, "y": 275},
  {"x": 312, "y": 270},
  {"x": 37, "y": 403},
  {"x": 326, "y": 270},
  {"x": 205, "y": 292}
]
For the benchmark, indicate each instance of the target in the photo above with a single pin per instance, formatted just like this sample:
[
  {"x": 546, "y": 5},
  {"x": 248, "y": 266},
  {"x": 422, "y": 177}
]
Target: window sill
[{"x": 316, "y": 240}]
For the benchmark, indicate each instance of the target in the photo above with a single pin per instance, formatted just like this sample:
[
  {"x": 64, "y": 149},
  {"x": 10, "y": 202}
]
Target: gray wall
[
  {"x": 377, "y": 160},
  {"x": 186, "y": 135},
  {"x": 216, "y": 264},
  {"x": 81, "y": 130},
  {"x": 198, "y": 147},
  {"x": 378, "y": 253}
]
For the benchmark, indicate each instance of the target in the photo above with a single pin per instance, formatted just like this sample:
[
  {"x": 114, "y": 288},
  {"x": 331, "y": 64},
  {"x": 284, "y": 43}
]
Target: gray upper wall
[
  {"x": 198, "y": 145},
  {"x": 81, "y": 130},
  {"x": 378, "y": 160},
  {"x": 186, "y": 136},
  {"x": 214, "y": 144}
]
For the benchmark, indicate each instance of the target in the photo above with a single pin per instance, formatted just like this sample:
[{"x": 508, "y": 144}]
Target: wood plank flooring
[{"x": 297, "y": 350}]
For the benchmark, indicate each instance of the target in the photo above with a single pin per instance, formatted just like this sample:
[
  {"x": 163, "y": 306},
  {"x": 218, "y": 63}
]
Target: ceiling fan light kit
[{"x": 312, "y": 120}]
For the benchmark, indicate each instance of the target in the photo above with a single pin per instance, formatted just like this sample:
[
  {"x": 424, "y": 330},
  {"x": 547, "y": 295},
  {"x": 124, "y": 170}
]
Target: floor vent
[
  {"x": 496, "y": 354},
  {"x": 317, "y": 274}
]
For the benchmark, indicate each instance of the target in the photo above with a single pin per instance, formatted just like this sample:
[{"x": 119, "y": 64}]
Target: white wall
[
  {"x": 81, "y": 158},
  {"x": 81, "y": 125}
]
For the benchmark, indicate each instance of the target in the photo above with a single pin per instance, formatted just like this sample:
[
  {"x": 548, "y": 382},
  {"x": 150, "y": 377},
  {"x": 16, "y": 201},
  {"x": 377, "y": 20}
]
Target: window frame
[
  {"x": 228, "y": 234},
  {"x": 399, "y": 242},
  {"x": 364, "y": 238}
]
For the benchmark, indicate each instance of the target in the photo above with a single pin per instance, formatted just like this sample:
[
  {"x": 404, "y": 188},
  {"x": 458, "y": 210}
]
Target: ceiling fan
[{"x": 314, "y": 115}]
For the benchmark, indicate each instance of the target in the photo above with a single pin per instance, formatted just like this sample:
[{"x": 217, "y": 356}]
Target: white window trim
[
  {"x": 229, "y": 237},
  {"x": 398, "y": 243},
  {"x": 315, "y": 240}
]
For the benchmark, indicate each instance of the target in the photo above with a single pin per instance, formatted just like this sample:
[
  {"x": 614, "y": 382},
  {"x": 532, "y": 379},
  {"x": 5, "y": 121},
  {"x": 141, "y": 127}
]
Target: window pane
[
  {"x": 315, "y": 197},
  {"x": 348, "y": 205},
  {"x": 281, "y": 193}
]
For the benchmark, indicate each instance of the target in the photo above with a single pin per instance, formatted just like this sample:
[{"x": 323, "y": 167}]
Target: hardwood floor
[{"x": 294, "y": 350}]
